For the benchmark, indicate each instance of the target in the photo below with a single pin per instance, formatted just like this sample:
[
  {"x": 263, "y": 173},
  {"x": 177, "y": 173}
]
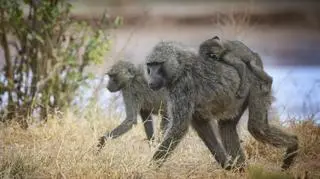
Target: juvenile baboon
[
  {"x": 238, "y": 55},
  {"x": 138, "y": 99},
  {"x": 200, "y": 90}
]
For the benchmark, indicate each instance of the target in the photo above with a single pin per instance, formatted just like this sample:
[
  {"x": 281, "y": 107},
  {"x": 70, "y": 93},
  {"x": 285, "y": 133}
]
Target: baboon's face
[
  {"x": 113, "y": 83},
  {"x": 157, "y": 77},
  {"x": 212, "y": 49},
  {"x": 118, "y": 79},
  {"x": 215, "y": 52}
]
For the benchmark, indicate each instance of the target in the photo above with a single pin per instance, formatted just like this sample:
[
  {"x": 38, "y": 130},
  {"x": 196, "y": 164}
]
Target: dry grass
[
  {"x": 235, "y": 25},
  {"x": 65, "y": 148}
]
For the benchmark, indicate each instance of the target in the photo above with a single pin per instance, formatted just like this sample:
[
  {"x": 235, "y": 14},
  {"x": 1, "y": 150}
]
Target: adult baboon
[
  {"x": 138, "y": 99},
  {"x": 238, "y": 55},
  {"x": 199, "y": 90}
]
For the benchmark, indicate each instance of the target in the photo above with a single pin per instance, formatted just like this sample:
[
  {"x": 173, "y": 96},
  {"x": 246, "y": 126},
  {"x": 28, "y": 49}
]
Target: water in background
[{"x": 297, "y": 91}]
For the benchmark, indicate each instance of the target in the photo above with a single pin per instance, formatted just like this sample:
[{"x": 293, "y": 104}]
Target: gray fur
[
  {"x": 238, "y": 55},
  {"x": 200, "y": 90},
  {"x": 138, "y": 99}
]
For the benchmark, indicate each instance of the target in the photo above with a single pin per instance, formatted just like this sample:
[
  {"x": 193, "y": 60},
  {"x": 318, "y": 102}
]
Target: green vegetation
[{"x": 46, "y": 53}]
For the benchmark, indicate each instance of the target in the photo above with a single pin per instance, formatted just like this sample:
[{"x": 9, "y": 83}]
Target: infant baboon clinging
[
  {"x": 200, "y": 90},
  {"x": 138, "y": 99},
  {"x": 236, "y": 54}
]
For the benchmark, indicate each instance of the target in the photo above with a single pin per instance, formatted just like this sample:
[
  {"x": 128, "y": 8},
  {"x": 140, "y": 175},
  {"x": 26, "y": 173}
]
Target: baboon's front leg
[
  {"x": 164, "y": 123},
  {"x": 205, "y": 130},
  {"x": 126, "y": 125},
  {"x": 180, "y": 119},
  {"x": 147, "y": 123}
]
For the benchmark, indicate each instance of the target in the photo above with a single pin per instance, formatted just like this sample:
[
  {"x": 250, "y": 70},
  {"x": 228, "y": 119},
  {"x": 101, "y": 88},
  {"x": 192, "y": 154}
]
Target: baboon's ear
[
  {"x": 217, "y": 41},
  {"x": 215, "y": 38},
  {"x": 179, "y": 56},
  {"x": 131, "y": 72}
]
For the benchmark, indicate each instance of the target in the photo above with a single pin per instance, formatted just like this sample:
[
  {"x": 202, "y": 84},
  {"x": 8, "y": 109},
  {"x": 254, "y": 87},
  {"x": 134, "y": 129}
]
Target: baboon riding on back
[
  {"x": 200, "y": 90},
  {"x": 238, "y": 55}
]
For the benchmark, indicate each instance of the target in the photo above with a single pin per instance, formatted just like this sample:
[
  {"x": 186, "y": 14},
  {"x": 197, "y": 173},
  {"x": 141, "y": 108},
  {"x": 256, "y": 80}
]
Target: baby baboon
[
  {"x": 236, "y": 54},
  {"x": 199, "y": 90},
  {"x": 138, "y": 99}
]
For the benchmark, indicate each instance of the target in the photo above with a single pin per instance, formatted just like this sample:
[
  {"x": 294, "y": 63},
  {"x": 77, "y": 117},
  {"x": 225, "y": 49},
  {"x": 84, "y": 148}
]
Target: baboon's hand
[
  {"x": 157, "y": 161},
  {"x": 265, "y": 88},
  {"x": 102, "y": 142},
  {"x": 159, "y": 154},
  {"x": 241, "y": 93}
]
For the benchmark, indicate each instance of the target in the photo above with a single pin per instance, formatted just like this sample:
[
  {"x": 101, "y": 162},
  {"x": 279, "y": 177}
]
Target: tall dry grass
[{"x": 65, "y": 147}]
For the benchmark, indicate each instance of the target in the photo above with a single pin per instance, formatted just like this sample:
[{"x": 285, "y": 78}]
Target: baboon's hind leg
[
  {"x": 260, "y": 129},
  {"x": 260, "y": 73},
  {"x": 230, "y": 137},
  {"x": 147, "y": 120},
  {"x": 206, "y": 132}
]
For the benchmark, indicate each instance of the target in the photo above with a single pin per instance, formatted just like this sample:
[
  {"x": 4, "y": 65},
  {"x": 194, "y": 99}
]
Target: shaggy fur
[
  {"x": 200, "y": 90},
  {"x": 138, "y": 99},
  {"x": 238, "y": 55}
]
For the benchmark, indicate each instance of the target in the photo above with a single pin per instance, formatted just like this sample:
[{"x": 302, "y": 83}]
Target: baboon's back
[{"x": 242, "y": 51}]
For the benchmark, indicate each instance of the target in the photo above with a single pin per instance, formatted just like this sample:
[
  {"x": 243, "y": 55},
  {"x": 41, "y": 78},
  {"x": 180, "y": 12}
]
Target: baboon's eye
[
  {"x": 111, "y": 75},
  {"x": 148, "y": 71},
  {"x": 154, "y": 63},
  {"x": 213, "y": 55},
  {"x": 161, "y": 71}
]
